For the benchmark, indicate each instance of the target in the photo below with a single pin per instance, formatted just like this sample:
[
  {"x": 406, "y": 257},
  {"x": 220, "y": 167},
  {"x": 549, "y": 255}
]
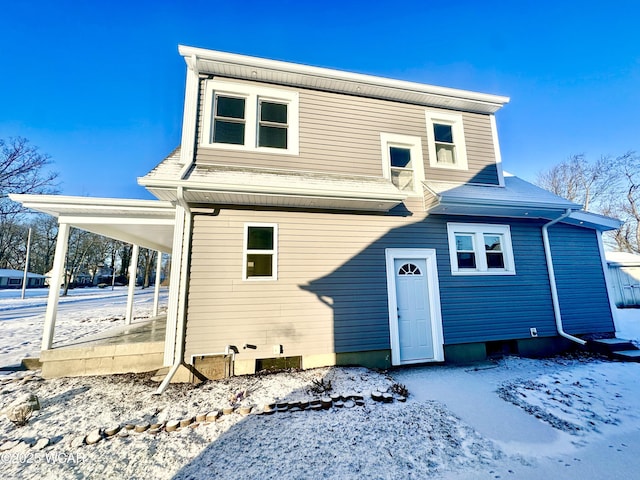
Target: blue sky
[{"x": 99, "y": 86}]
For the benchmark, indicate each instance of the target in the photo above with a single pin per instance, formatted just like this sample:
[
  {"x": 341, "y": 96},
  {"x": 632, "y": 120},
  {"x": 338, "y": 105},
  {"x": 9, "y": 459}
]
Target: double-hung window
[
  {"x": 272, "y": 124},
  {"x": 245, "y": 116},
  {"x": 229, "y": 120},
  {"x": 402, "y": 162},
  {"x": 447, "y": 146},
  {"x": 260, "y": 251},
  {"x": 480, "y": 249}
]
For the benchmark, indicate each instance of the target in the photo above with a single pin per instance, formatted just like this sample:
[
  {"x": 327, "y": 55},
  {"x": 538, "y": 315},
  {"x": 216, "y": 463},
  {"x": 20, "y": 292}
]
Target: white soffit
[
  {"x": 297, "y": 75},
  {"x": 148, "y": 223}
]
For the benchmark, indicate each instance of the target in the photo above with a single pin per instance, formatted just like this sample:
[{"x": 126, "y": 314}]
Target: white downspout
[
  {"x": 552, "y": 278},
  {"x": 182, "y": 317},
  {"x": 187, "y": 151}
]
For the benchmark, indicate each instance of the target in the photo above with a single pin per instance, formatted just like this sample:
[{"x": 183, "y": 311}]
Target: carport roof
[{"x": 147, "y": 223}]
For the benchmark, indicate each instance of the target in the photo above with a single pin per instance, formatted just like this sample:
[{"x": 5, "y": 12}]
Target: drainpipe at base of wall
[
  {"x": 552, "y": 278},
  {"x": 180, "y": 327}
]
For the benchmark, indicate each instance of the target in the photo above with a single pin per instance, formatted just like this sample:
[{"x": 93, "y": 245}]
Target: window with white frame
[
  {"x": 402, "y": 161},
  {"x": 480, "y": 249},
  {"x": 260, "y": 251},
  {"x": 447, "y": 146},
  {"x": 242, "y": 116}
]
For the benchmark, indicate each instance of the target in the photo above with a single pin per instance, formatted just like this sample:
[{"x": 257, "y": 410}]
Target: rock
[
  {"x": 20, "y": 410},
  {"x": 245, "y": 409},
  {"x": 349, "y": 404},
  {"x": 77, "y": 442},
  {"x": 227, "y": 410},
  {"x": 377, "y": 396},
  {"x": 185, "y": 422},
  {"x": 201, "y": 417},
  {"x": 360, "y": 402},
  {"x": 141, "y": 427},
  {"x": 124, "y": 433},
  {"x": 130, "y": 426},
  {"x": 94, "y": 437},
  {"x": 111, "y": 431},
  {"x": 154, "y": 431},
  {"x": 335, "y": 397},
  {"x": 326, "y": 402},
  {"x": 8, "y": 445},
  {"x": 387, "y": 397},
  {"x": 156, "y": 426},
  {"x": 40, "y": 444},
  {"x": 172, "y": 425},
  {"x": 212, "y": 416},
  {"x": 338, "y": 404},
  {"x": 402, "y": 399}
]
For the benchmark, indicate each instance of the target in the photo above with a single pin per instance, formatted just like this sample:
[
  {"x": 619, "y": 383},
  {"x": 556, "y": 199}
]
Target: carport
[{"x": 141, "y": 223}]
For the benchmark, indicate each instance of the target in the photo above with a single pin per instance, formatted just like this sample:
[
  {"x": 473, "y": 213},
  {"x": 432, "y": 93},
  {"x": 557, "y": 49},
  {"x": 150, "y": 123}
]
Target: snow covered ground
[{"x": 562, "y": 418}]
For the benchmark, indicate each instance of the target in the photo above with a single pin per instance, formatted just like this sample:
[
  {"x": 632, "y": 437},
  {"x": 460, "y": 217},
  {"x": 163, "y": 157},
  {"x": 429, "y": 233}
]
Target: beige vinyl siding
[
  {"x": 225, "y": 310},
  {"x": 341, "y": 134}
]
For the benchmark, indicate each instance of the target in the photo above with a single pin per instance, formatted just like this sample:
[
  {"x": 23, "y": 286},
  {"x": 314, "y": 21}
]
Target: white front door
[{"x": 414, "y": 306}]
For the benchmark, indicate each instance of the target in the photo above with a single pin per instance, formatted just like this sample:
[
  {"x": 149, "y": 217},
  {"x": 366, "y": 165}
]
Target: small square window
[
  {"x": 480, "y": 249},
  {"x": 260, "y": 257}
]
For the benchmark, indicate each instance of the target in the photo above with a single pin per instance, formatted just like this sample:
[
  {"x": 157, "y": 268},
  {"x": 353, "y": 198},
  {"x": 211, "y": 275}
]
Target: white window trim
[
  {"x": 414, "y": 144},
  {"x": 478, "y": 230},
  {"x": 274, "y": 253},
  {"x": 455, "y": 120},
  {"x": 252, "y": 94}
]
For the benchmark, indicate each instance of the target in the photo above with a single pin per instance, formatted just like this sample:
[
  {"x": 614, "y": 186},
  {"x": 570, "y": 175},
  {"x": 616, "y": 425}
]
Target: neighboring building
[
  {"x": 624, "y": 276},
  {"x": 336, "y": 218},
  {"x": 13, "y": 279}
]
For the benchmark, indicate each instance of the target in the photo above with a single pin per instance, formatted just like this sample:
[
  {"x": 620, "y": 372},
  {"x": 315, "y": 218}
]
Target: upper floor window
[
  {"x": 402, "y": 162},
  {"x": 229, "y": 121},
  {"x": 447, "y": 146},
  {"x": 273, "y": 125},
  {"x": 480, "y": 249},
  {"x": 260, "y": 251},
  {"x": 248, "y": 117}
]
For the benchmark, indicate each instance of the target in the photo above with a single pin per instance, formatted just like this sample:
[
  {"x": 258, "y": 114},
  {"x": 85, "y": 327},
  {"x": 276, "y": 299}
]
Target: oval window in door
[{"x": 409, "y": 269}]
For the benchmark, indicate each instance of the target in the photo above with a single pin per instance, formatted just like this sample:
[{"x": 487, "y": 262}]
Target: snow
[{"x": 572, "y": 416}]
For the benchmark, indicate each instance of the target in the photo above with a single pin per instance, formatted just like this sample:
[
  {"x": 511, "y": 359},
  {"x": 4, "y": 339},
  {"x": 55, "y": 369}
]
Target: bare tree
[
  {"x": 581, "y": 181},
  {"x": 148, "y": 258},
  {"x": 609, "y": 186},
  {"x": 23, "y": 169}
]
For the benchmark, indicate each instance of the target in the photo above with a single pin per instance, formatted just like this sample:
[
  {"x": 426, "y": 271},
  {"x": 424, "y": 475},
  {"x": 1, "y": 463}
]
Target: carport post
[
  {"x": 156, "y": 293},
  {"x": 54, "y": 286},
  {"x": 133, "y": 276}
]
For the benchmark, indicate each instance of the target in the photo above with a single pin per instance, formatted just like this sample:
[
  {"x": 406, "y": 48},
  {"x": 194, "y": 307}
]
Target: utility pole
[{"x": 26, "y": 265}]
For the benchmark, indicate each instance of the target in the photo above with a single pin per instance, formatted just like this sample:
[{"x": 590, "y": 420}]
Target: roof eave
[{"x": 218, "y": 63}]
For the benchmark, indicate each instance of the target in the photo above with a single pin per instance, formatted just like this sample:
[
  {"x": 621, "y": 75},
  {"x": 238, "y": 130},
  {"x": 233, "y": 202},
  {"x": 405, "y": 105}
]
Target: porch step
[
  {"x": 610, "y": 345},
  {"x": 617, "y": 348},
  {"x": 102, "y": 359},
  {"x": 627, "y": 355}
]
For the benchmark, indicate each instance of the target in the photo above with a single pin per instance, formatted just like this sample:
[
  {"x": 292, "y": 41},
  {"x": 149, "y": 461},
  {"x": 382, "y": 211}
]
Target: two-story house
[
  {"x": 346, "y": 218},
  {"x": 328, "y": 217}
]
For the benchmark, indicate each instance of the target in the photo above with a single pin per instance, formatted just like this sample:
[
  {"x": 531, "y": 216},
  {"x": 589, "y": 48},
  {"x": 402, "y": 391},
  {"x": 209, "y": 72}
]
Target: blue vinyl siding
[
  {"x": 582, "y": 290},
  {"x": 479, "y": 308},
  {"x": 331, "y": 293}
]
